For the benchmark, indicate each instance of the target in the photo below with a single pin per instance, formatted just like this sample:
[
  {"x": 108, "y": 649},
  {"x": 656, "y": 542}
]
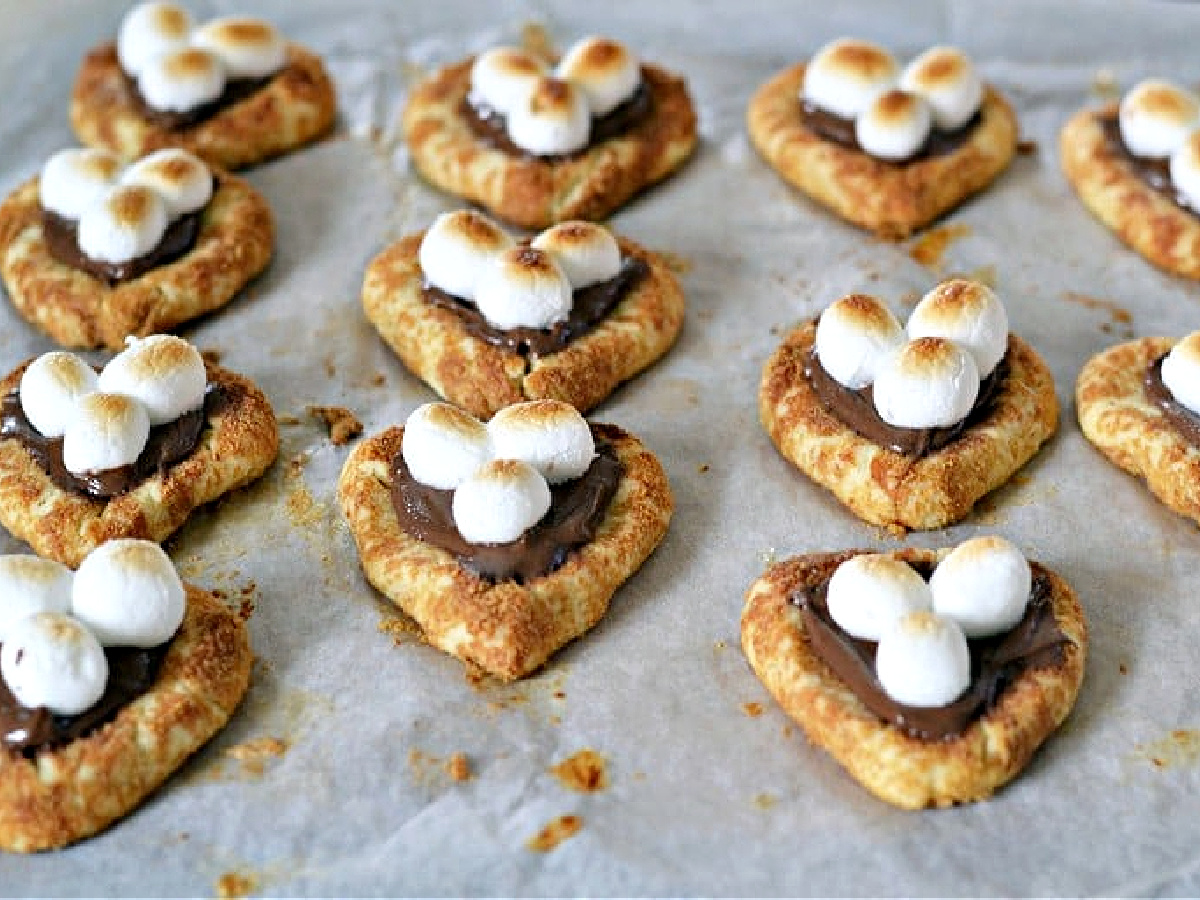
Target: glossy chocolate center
[
  {"x": 1155, "y": 173},
  {"x": 841, "y": 131},
  {"x": 236, "y": 90},
  {"x": 1186, "y": 422}
]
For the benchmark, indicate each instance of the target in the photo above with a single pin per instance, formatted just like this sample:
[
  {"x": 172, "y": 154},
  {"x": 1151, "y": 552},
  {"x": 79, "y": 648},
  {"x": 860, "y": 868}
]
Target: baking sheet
[{"x": 334, "y": 778}]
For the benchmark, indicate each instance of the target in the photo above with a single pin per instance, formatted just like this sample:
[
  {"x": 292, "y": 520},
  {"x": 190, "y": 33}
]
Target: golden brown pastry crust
[
  {"x": 892, "y": 200},
  {"x": 534, "y": 192},
  {"x": 297, "y": 106},
  {"x": 902, "y": 770},
  {"x": 887, "y": 488},
  {"x": 73, "y": 791},
  {"x": 506, "y": 629},
  {"x": 77, "y": 310},
  {"x": 435, "y": 345},
  {"x": 1140, "y": 216},
  {"x": 236, "y": 447}
]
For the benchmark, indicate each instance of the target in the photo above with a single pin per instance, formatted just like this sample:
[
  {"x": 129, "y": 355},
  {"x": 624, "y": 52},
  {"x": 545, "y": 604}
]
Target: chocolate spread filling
[
  {"x": 62, "y": 241},
  {"x": 576, "y": 509},
  {"x": 1186, "y": 422},
  {"x": 840, "y": 131},
  {"x": 996, "y": 662},
  {"x": 236, "y": 90},
  {"x": 1156, "y": 173}
]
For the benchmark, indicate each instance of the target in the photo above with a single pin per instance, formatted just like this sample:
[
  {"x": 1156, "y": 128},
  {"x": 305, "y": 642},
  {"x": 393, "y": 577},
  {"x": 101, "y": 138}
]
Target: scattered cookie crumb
[
  {"x": 1123, "y": 669},
  {"x": 929, "y": 248},
  {"x": 753, "y": 709},
  {"x": 458, "y": 767},
  {"x": 303, "y": 510},
  {"x": 555, "y": 833},
  {"x": 702, "y": 468},
  {"x": 402, "y": 629},
  {"x": 330, "y": 368},
  {"x": 764, "y": 801},
  {"x": 236, "y": 884},
  {"x": 585, "y": 771},
  {"x": 343, "y": 425},
  {"x": 212, "y": 355},
  {"x": 253, "y": 755},
  {"x": 289, "y": 420},
  {"x": 1027, "y": 146},
  {"x": 247, "y": 600},
  {"x": 720, "y": 645},
  {"x": 679, "y": 265},
  {"x": 296, "y": 465},
  {"x": 1119, "y": 318},
  {"x": 1177, "y": 748},
  {"x": 378, "y": 379}
]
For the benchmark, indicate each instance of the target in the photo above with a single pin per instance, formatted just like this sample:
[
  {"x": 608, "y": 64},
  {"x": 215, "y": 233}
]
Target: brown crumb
[
  {"x": 296, "y": 465},
  {"x": 330, "y": 368},
  {"x": 1119, "y": 317},
  {"x": 236, "y": 884},
  {"x": 212, "y": 355},
  {"x": 289, "y": 420},
  {"x": 458, "y": 767},
  {"x": 764, "y": 801},
  {"x": 1123, "y": 669},
  {"x": 1178, "y": 748},
  {"x": 343, "y": 425},
  {"x": 378, "y": 379},
  {"x": 253, "y": 755},
  {"x": 585, "y": 771},
  {"x": 1027, "y": 146},
  {"x": 679, "y": 265},
  {"x": 402, "y": 629},
  {"x": 555, "y": 833},
  {"x": 702, "y": 468},
  {"x": 753, "y": 709},
  {"x": 929, "y": 248}
]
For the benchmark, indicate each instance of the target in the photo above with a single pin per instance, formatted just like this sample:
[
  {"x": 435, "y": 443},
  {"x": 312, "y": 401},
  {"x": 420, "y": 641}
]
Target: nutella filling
[
  {"x": 840, "y": 131},
  {"x": 996, "y": 662},
  {"x": 236, "y": 90},
  {"x": 1156, "y": 173},
  {"x": 577, "y": 508},
  {"x": 1186, "y": 422}
]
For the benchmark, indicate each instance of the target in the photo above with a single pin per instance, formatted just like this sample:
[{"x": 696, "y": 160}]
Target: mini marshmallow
[
  {"x": 128, "y": 593},
  {"x": 550, "y": 435},
  {"x": 894, "y": 125},
  {"x": 107, "y": 431},
  {"x": 870, "y": 592},
  {"x": 983, "y": 584},
  {"x": 552, "y": 118},
  {"x": 501, "y": 77},
  {"x": 586, "y": 252},
  {"x": 29, "y": 585},
  {"x": 1181, "y": 372},
  {"x": 606, "y": 72},
  {"x": 248, "y": 47},
  {"x": 1156, "y": 116},
  {"x": 49, "y": 388},
  {"x": 126, "y": 223},
  {"x": 51, "y": 660},
  {"x": 968, "y": 313},
  {"x": 182, "y": 80},
  {"x": 73, "y": 180},
  {"x": 149, "y": 30},
  {"x": 947, "y": 80},
  {"x": 500, "y": 501},
  {"x": 181, "y": 179},
  {"x": 164, "y": 373},
  {"x": 923, "y": 660},
  {"x": 525, "y": 289},
  {"x": 443, "y": 445},
  {"x": 846, "y": 75},
  {"x": 854, "y": 335},
  {"x": 928, "y": 383},
  {"x": 458, "y": 249},
  {"x": 1185, "y": 170}
]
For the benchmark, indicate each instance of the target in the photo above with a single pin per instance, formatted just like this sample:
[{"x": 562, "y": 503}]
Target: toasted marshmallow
[
  {"x": 458, "y": 249},
  {"x": 443, "y": 446},
  {"x": 500, "y": 501},
  {"x": 982, "y": 584},
  {"x": 606, "y": 72},
  {"x": 928, "y": 383},
  {"x": 29, "y": 585},
  {"x": 49, "y": 388},
  {"x": 524, "y": 289},
  {"x": 181, "y": 179},
  {"x": 1185, "y": 169},
  {"x": 149, "y": 30},
  {"x": 51, "y": 660},
  {"x": 107, "y": 431},
  {"x": 126, "y": 223},
  {"x": 947, "y": 80},
  {"x": 586, "y": 252},
  {"x": 854, "y": 336},
  {"x": 182, "y": 80},
  {"x": 551, "y": 118},
  {"x": 846, "y": 75},
  {"x": 870, "y": 592},
  {"x": 501, "y": 77},
  {"x": 1181, "y": 372},
  {"x": 73, "y": 180},
  {"x": 249, "y": 47},
  {"x": 923, "y": 660},
  {"x": 550, "y": 435},
  {"x": 1156, "y": 117},
  {"x": 894, "y": 125},
  {"x": 164, "y": 373},
  {"x": 968, "y": 313},
  {"x": 128, "y": 593}
]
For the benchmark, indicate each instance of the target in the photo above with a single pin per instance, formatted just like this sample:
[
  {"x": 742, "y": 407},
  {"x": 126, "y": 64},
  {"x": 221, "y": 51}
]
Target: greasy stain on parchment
[
  {"x": 554, "y": 833},
  {"x": 929, "y": 248},
  {"x": 1174, "y": 750},
  {"x": 585, "y": 771},
  {"x": 1120, "y": 320},
  {"x": 236, "y": 884},
  {"x": 255, "y": 754}
]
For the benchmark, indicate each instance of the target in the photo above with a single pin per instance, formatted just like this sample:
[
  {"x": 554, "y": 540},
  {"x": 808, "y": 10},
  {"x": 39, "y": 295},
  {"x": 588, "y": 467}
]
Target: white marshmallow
[
  {"x": 1181, "y": 372},
  {"x": 164, "y": 373},
  {"x": 149, "y": 30},
  {"x": 458, "y": 249},
  {"x": 550, "y": 435},
  {"x": 51, "y": 660},
  {"x": 869, "y": 593},
  {"x": 968, "y": 313},
  {"x": 248, "y": 47},
  {"x": 29, "y": 585},
  {"x": 894, "y": 125},
  {"x": 126, "y": 223},
  {"x": 182, "y": 80},
  {"x": 107, "y": 431},
  {"x": 606, "y": 72},
  {"x": 983, "y": 584},
  {"x": 73, "y": 180},
  {"x": 947, "y": 80},
  {"x": 500, "y": 501},
  {"x": 181, "y": 179},
  {"x": 551, "y": 118},
  {"x": 846, "y": 75},
  {"x": 501, "y": 77},
  {"x": 1185, "y": 170},
  {"x": 49, "y": 388},
  {"x": 524, "y": 289},
  {"x": 928, "y": 383},
  {"x": 443, "y": 446},
  {"x": 1156, "y": 117},
  {"x": 923, "y": 660},
  {"x": 854, "y": 336},
  {"x": 586, "y": 252},
  {"x": 128, "y": 593}
]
